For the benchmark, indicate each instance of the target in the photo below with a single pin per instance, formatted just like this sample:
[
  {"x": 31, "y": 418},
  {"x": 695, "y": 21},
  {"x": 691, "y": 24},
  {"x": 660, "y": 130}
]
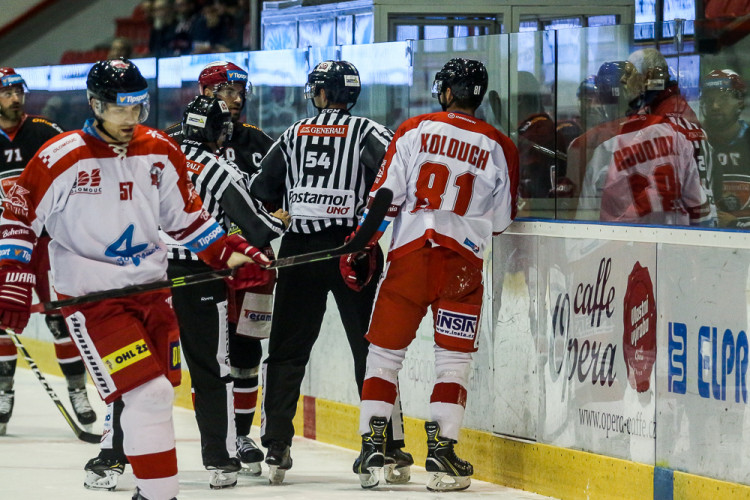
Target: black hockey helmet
[
  {"x": 610, "y": 80},
  {"x": 466, "y": 78},
  {"x": 206, "y": 119},
  {"x": 340, "y": 79},
  {"x": 118, "y": 82}
]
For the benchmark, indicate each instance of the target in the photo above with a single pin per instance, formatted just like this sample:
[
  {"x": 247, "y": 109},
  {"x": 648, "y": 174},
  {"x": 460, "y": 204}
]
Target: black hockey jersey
[
  {"x": 20, "y": 146},
  {"x": 732, "y": 176}
]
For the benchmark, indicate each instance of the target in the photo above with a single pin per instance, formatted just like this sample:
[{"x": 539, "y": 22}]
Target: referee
[{"x": 320, "y": 170}]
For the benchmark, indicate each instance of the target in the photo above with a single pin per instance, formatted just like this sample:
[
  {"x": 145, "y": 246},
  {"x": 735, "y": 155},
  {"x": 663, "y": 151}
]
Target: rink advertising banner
[
  {"x": 703, "y": 361},
  {"x": 598, "y": 345}
]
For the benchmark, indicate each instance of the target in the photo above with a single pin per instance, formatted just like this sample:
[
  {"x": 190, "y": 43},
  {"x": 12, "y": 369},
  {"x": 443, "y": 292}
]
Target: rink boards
[{"x": 612, "y": 364}]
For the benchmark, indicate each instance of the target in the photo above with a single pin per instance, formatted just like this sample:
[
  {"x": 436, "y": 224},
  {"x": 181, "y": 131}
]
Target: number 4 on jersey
[{"x": 124, "y": 249}]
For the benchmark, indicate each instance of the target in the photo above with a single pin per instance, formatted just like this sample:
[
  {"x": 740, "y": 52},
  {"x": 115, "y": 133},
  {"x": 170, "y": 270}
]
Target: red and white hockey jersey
[
  {"x": 646, "y": 174},
  {"x": 454, "y": 180},
  {"x": 103, "y": 204}
]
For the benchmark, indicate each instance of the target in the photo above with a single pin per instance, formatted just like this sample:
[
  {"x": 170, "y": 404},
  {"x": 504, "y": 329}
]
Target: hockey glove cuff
[{"x": 15, "y": 297}]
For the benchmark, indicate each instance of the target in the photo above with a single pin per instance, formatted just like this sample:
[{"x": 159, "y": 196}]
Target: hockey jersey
[
  {"x": 732, "y": 176},
  {"x": 645, "y": 174},
  {"x": 17, "y": 147},
  {"x": 454, "y": 179},
  {"x": 103, "y": 204}
]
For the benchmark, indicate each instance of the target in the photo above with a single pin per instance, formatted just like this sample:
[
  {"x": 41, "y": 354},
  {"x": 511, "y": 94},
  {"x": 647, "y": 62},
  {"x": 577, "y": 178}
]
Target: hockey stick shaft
[
  {"x": 80, "y": 433},
  {"x": 362, "y": 237}
]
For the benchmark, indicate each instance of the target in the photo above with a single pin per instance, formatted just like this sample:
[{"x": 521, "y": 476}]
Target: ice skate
[
  {"x": 6, "y": 409},
  {"x": 137, "y": 495},
  {"x": 397, "y": 469},
  {"x": 81, "y": 406},
  {"x": 250, "y": 456},
  {"x": 447, "y": 471},
  {"x": 224, "y": 475},
  {"x": 372, "y": 457},
  {"x": 103, "y": 473},
  {"x": 278, "y": 460}
]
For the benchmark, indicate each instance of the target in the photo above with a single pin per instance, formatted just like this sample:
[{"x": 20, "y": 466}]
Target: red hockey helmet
[
  {"x": 725, "y": 80},
  {"x": 9, "y": 77},
  {"x": 219, "y": 73}
]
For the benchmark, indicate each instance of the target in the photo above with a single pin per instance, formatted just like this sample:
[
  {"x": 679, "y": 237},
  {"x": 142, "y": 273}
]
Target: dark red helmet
[
  {"x": 221, "y": 72},
  {"x": 725, "y": 80},
  {"x": 8, "y": 77}
]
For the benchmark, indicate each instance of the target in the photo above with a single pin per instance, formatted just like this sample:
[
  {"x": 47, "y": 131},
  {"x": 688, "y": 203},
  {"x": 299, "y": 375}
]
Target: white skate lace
[
  {"x": 244, "y": 444},
  {"x": 6, "y": 402},
  {"x": 80, "y": 401}
]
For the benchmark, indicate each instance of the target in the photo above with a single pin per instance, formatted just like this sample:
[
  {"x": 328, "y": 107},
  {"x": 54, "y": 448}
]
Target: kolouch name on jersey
[{"x": 460, "y": 150}]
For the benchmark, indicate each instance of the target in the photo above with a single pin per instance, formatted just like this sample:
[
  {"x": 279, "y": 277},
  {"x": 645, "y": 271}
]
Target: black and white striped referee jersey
[
  {"x": 224, "y": 191},
  {"x": 322, "y": 168}
]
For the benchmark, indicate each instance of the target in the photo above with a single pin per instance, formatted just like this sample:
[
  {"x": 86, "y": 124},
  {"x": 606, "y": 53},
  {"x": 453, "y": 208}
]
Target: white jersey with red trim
[
  {"x": 103, "y": 204},
  {"x": 647, "y": 174},
  {"x": 454, "y": 180}
]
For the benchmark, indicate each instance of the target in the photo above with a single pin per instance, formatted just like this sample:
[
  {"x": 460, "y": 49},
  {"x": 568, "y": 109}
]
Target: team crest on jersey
[
  {"x": 87, "y": 182},
  {"x": 156, "y": 171},
  {"x": 17, "y": 201}
]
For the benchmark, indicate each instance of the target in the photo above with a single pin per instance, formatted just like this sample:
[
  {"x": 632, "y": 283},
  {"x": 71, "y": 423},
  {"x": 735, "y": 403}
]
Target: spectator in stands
[
  {"x": 144, "y": 11},
  {"x": 162, "y": 29},
  {"x": 211, "y": 30},
  {"x": 121, "y": 47},
  {"x": 186, "y": 18}
]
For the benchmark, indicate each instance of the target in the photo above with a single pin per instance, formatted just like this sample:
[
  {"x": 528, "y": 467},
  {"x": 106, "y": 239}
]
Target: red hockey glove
[
  {"x": 15, "y": 297},
  {"x": 251, "y": 274},
  {"x": 358, "y": 268},
  {"x": 236, "y": 243}
]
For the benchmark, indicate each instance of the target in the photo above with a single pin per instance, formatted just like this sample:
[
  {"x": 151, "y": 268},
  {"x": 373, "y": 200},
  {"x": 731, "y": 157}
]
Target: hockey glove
[
  {"x": 251, "y": 274},
  {"x": 15, "y": 297},
  {"x": 358, "y": 268}
]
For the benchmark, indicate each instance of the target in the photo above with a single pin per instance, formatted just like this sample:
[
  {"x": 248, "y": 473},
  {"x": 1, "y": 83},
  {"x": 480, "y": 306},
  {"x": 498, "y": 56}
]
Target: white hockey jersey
[
  {"x": 646, "y": 174},
  {"x": 103, "y": 204},
  {"x": 454, "y": 180}
]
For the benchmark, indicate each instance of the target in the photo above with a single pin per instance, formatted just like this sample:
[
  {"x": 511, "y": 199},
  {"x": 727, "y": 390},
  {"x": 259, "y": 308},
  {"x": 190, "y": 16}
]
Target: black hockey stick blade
[
  {"x": 375, "y": 215},
  {"x": 80, "y": 433},
  {"x": 364, "y": 234}
]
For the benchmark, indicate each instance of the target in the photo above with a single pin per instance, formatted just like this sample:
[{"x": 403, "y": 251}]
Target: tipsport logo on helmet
[
  {"x": 132, "y": 98},
  {"x": 236, "y": 76},
  {"x": 8, "y": 80}
]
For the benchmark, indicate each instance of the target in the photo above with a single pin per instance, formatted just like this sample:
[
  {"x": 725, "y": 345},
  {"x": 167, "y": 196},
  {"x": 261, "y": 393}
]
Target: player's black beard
[{"x": 12, "y": 114}]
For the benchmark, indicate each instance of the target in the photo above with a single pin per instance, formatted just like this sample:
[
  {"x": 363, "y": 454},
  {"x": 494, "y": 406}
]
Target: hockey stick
[
  {"x": 364, "y": 234},
  {"x": 80, "y": 433}
]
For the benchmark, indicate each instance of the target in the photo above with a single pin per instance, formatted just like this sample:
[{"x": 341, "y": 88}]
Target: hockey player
[
  {"x": 250, "y": 311},
  {"x": 722, "y": 101},
  {"x": 102, "y": 193},
  {"x": 202, "y": 308},
  {"x": 321, "y": 169},
  {"x": 20, "y": 137},
  {"x": 454, "y": 180}
]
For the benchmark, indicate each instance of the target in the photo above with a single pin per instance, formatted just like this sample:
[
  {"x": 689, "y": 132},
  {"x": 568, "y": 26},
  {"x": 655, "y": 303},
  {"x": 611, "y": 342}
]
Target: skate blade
[
  {"x": 440, "y": 481},
  {"x": 107, "y": 482},
  {"x": 370, "y": 480},
  {"x": 251, "y": 469},
  {"x": 276, "y": 475},
  {"x": 3, "y": 429},
  {"x": 219, "y": 480},
  {"x": 396, "y": 475}
]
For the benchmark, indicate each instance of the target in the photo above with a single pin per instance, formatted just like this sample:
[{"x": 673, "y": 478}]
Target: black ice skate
[
  {"x": 102, "y": 473},
  {"x": 6, "y": 409},
  {"x": 447, "y": 471},
  {"x": 372, "y": 457},
  {"x": 224, "y": 475},
  {"x": 250, "y": 455},
  {"x": 81, "y": 406},
  {"x": 397, "y": 469},
  {"x": 279, "y": 461}
]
